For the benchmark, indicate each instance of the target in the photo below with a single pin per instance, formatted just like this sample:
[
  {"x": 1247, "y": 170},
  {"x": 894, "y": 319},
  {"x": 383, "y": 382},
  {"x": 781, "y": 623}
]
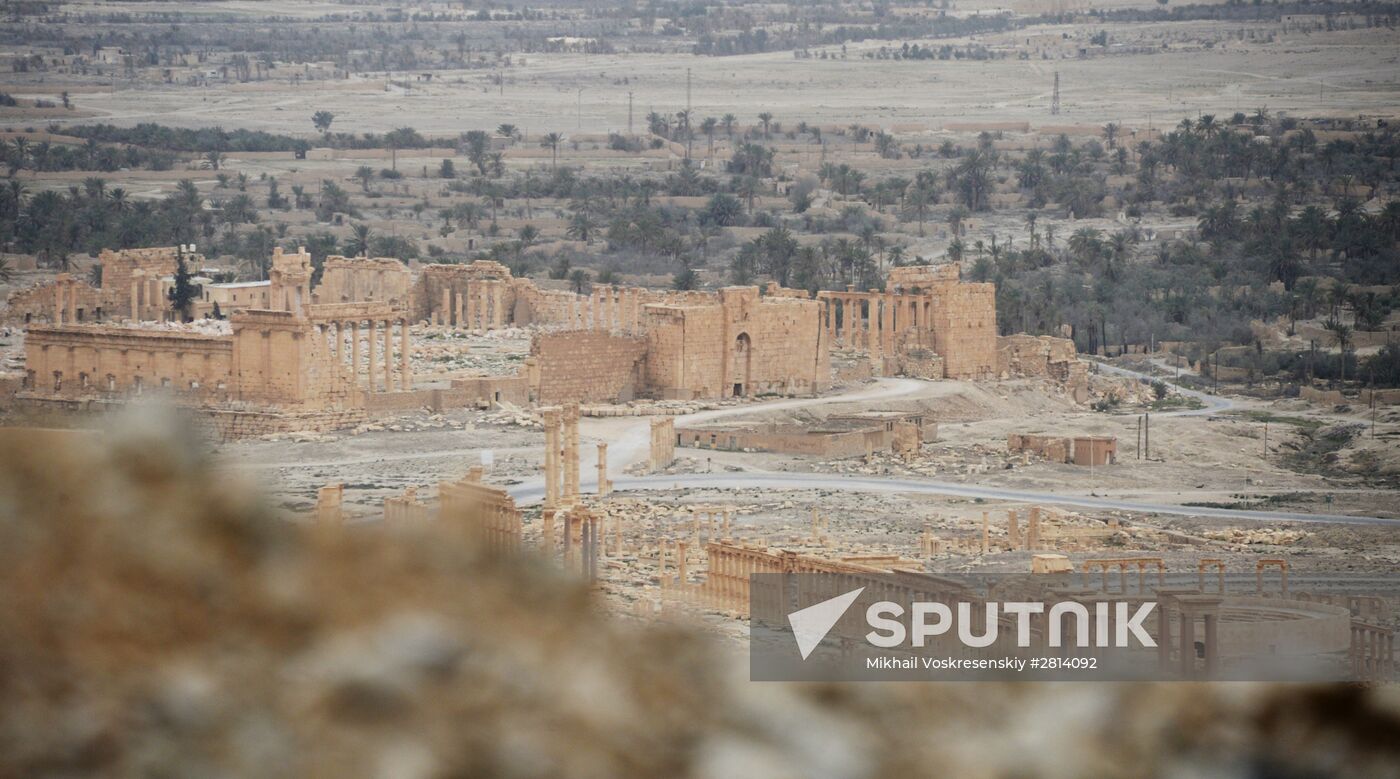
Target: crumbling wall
[
  {"x": 361, "y": 280},
  {"x": 739, "y": 345},
  {"x": 67, "y": 362},
  {"x": 587, "y": 366},
  {"x": 121, "y": 267},
  {"x": 40, "y": 303}
]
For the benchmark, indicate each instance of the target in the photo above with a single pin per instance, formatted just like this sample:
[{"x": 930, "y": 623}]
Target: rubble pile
[{"x": 1256, "y": 536}]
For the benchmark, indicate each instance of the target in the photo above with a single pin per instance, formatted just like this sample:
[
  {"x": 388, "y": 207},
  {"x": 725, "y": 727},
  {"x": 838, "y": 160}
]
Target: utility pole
[
  {"x": 580, "y": 107},
  {"x": 688, "y": 117},
  {"x": 1266, "y": 440},
  {"x": 629, "y": 113},
  {"x": 1055, "y": 96},
  {"x": 1147, "y": 435}
]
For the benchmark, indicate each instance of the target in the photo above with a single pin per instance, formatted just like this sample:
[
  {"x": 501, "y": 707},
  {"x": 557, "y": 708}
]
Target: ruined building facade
[{"x": 927, "y": 322}]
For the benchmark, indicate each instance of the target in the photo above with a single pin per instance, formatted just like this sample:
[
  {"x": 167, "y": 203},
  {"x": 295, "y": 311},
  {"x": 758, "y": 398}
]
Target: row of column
[
  {"x": 377, "y": 345},
  {"x": 481, "y": 307},
  {"x": 606, "y": 308},
  {"x": 1372, "y": 652},
  {"x": 870, "y": 320},
  {"x": 148, "y": 298},
  {"x": 65, "y": 304},
  {"x": 561, "y": 465}
]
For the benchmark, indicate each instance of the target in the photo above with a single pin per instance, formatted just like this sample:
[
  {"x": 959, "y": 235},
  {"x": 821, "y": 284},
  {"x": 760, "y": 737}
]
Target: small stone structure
[{"x": 1081, "y": 450}]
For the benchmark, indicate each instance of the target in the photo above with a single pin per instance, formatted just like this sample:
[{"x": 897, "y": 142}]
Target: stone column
[
  {"x": 604, "y": 486},
  {"x": 472, "y": 305},
  {"x": 72, "y": 288},
  {"x": 355, "y": 353},
  {"x": 388, "y": 355},
  {"x": 371, "y": 378},
  {"x": 498, "y": 301},
  {"x": 1212, "y": 650},
  {"x": 460, "y": 310},
  {"x": 58, "y": 303},
  {"x": 135, "y": 299},
  {"x": 405, "y": 370},
  {"x": 986, "y": 538},
  {"x": 446, "y": 317},
  {"x": 886, "y": 323},
  {"x": 571, "y": 488},
  {"x": 1188, "y": 644},
  {"x": 550, "y": 417},
  {"x": 1033, "y": 531},
  {"x": 1013, "y": 530}
]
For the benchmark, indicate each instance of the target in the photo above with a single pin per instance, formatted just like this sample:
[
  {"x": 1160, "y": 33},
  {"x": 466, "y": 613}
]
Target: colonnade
[
  {"x": 561, "y": 465},
  {"x": 65, "y": 304},
  {"x": 1372, "y": 652},
  {"x": 148, "y": 297},
  {"x": 369, "y": 358},
  {"x": 871, "y": 320},
  {"x": 481, "y": 307}
]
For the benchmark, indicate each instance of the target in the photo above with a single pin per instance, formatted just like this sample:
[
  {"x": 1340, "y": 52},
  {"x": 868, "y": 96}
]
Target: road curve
[{"x": 531, "y": 492}]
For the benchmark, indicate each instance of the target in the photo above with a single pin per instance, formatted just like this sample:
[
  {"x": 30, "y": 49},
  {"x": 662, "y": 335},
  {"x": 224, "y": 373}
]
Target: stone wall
[
  {"x": 1046, "y": 357},
  {"x": 361, "y": 280},
  {"x": 64, "y": 300},
  {"x": 121, "y": 268},
  {"x": 587, "y": 366},
  {"x": 742, "y": 345},
  {"x": 107, "y": 361}
]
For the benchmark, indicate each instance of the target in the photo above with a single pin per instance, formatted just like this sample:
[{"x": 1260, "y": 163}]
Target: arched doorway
[{"x": 740, "y": 365}]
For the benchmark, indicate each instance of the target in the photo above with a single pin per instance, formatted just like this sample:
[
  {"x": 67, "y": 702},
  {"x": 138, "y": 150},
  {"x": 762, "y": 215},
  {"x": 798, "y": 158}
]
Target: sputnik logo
[{"x": 810, "y": 625}]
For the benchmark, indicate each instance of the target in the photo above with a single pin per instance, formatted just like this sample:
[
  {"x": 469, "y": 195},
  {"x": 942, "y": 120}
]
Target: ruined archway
[{"x": 741, "y": 365}]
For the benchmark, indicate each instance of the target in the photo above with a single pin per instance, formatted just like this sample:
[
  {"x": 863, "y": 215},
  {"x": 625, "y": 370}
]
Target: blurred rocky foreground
[{"x": 157, "y": 620}]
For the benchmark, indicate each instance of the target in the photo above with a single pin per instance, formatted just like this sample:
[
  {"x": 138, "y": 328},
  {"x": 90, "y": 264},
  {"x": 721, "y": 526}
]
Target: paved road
[
  {"x": 526, "y": 493},
  {"x": 633, "y": 440}
]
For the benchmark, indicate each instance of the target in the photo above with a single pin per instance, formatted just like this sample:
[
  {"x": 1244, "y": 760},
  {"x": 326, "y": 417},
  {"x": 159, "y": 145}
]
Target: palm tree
[
  {"x": 582, "y": 226},
  {"x": 551, "y": 141},
  {"x": 579, "y": 281},
  {"x": 767, "y": 118},
  {"x": 7, "y": 274},
  {"x": 20, "y": 155},
  {"x": 708, "y": 127},
  {"x": 729, "y": 120},
  {"x": 1110, "y": 134},
  {"x": 1031, "y": 218},
  {"x": 1086, "y": 243},
  {"x": 508, "y": 131},
  {"x": 365, "y": 174},
  {"x": 358, "y": 245},
  {"x": 1311, "y": 229},
  {"x": 1207, "y": 126},
  {"x": 214, "y": 158},
  {"x": 1341, "y": 334}
]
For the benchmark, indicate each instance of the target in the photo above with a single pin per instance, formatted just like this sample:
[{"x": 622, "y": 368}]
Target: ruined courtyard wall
[
  {"x": 845, "y": 443},
  {"x": 359, "y": 280},
  {"x": 119, "y": 267},
  {"x": 587, "y": 366},
  {"x": 97, "y": 361},
  {"x": 694, "y": 352},
  {"x": 283, "y": 360},
  {"x": 39, "y": 303},
  {"x": 965, "y": 329}
]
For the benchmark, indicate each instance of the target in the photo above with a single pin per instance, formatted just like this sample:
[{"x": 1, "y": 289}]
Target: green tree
[
  {"x": 184, "y": 293},
  {"x": 551, "y": 141},
  {"x": 685, "y": 279},
  {"x": 321, "y": 120}
]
